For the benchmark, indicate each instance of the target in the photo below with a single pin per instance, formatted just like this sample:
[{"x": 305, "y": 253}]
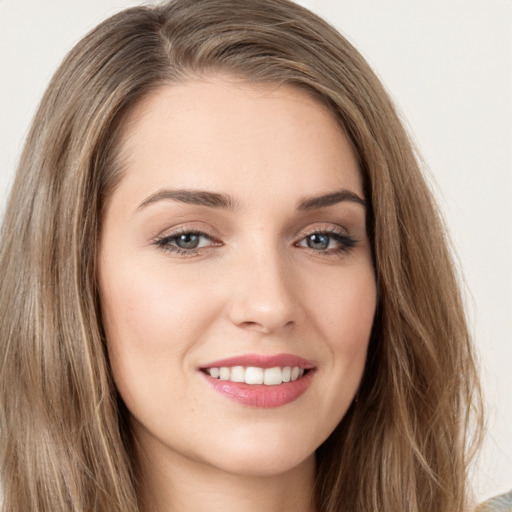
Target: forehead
[{"x": 214, "y": 132}]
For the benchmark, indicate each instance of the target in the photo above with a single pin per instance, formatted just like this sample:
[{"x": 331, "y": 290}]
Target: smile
[
  {"x": 260, "y": 380},
  {"x": 254, "y": 375}
]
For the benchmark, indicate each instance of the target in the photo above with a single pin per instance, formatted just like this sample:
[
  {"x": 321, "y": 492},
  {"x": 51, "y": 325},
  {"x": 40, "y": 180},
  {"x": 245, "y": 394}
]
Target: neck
[{"x": 175, "y": 484}]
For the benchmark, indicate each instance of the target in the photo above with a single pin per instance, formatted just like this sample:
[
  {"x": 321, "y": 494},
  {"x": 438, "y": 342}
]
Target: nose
[{"x": 265, "y": 294}]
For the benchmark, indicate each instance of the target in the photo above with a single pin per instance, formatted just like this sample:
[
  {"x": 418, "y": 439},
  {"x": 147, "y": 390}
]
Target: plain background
[{"x": 448, "y": 66}]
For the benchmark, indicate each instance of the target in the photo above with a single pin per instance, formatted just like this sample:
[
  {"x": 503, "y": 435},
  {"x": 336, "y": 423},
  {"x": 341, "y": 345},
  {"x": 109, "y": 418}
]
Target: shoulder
[{"x": 502, "y": 503}]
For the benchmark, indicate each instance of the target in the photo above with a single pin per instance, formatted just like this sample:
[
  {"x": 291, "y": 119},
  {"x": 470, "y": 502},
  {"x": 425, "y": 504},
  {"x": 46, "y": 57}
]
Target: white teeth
[
  {"x": 272, "y": 376},
  {"x": 255, "y": 375},
  {"x": 237, "y": 374}
]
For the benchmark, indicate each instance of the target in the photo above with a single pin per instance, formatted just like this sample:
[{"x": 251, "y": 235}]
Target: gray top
[{"x": 502, "y": 503}]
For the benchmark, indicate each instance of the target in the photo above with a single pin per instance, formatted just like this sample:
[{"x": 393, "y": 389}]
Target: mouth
[
  {"x": 260, "y": 381},
  {"x": 254, "y": 375}
]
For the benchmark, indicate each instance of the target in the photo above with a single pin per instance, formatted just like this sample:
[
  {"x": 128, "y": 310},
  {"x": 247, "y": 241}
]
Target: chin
[
  {"x": 263, "y": 453},
  {"x": 264, "y": 464}
]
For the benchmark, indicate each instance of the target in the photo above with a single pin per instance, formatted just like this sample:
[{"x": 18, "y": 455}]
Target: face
[{"x": 235, "y": 275}]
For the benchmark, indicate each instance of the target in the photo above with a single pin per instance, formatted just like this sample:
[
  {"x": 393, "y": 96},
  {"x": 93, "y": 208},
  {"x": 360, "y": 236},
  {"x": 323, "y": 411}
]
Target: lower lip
[{"x": 259, "y": 395}]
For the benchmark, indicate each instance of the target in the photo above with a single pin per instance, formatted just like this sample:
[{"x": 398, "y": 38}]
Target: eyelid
[
  {"x": 200, "y": 229},
  {"x": 323, "y": 228},
  {"x": 338, "y": 233},
  {"x": 342, "y": 235},
  {"x": 192, "y": 227}
]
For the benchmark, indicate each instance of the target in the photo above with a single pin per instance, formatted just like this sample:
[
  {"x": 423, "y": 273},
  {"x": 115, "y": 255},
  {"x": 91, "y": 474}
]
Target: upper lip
[{"x": 262, "y": 361}]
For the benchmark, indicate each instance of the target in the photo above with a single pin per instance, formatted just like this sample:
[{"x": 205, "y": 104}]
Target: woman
[{"x": 227, "y": 282}]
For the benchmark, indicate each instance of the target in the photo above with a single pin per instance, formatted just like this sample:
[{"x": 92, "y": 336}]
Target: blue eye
[
  {"x": 188, "y": 240},
  {"x": 327, "y": 242},
  {"x": 185, "y": 242},
  {"x": 318, "y": 241}
]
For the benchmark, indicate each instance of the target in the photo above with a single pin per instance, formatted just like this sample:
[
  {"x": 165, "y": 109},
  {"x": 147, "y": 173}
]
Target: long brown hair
[{"x": 404, "y": 445}]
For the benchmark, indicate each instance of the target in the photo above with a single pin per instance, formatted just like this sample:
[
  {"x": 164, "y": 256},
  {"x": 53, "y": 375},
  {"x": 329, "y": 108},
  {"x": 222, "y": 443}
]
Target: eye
[
  {"x": 185, "y": 242},
  {"x": 327, "y": 241},
  {"x": 319, "y": 241},
  {"x": 190, "y": 240}
]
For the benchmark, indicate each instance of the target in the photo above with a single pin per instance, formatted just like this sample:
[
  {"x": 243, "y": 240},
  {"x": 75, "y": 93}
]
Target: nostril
[{"x": 265, "y": 327}]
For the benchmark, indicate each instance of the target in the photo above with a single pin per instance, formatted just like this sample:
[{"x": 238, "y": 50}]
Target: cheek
[
  {"x": 341, "y": 313},
  {"x": 154, "y": 320},
  {"x": 147, "y": 305},
  {"x": 344, "y": 316},
  {"x": 344, "y": 310},
  {"x": 149, "y": 332}
]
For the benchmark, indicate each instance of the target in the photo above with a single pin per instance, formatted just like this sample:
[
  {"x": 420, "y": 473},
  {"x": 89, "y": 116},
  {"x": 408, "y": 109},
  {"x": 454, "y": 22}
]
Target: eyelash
[
  {"x": 164, "y": 242},
  {"x": 345, "y": 242}
]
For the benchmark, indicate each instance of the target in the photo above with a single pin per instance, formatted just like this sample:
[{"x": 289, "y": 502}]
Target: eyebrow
[
  {"x": 325, "y": 200},
  {"x": 225, "y": 201},
  {"x": 197, "y": 197}
]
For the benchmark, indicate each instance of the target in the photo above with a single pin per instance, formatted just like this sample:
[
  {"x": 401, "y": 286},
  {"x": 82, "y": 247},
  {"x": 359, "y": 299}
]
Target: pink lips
[{"x": 259, "y": 395}]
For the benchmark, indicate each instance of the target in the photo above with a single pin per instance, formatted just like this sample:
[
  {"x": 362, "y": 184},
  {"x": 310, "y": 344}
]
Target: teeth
[
  {"x": 255, "y": 375},
  {"x": 237, "y": 374},
  {"x": 287, "y": 374},
  {"x": 272, "y": 376}
]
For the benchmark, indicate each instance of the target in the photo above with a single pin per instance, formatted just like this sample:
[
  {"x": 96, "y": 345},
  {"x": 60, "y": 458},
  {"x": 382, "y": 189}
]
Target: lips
[{"x": 260, "y": 380}]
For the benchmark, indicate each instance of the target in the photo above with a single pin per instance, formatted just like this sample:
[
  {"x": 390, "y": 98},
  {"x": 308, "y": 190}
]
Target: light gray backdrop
[{"x": 447, "y": 64}]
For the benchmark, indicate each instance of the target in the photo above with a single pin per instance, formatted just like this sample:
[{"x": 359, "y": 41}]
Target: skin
[{"x": 256, "y": 284}]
